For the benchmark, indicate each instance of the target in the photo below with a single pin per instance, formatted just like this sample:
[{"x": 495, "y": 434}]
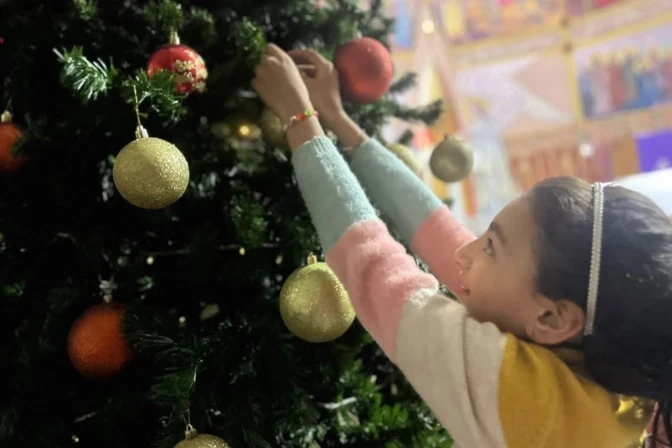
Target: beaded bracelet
[{"x": 300, "y": 117}]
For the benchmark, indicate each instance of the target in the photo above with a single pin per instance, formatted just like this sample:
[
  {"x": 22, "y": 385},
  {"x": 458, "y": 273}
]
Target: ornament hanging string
[
  {"x": 190, "y": 431},
  {"x": 174, "y": 38},
  {"x": 6, "y": 116},
  {"x": 8, "y": 107},
  {"x": 140, "y": 132},
  {"x": 136, "y": 104}
]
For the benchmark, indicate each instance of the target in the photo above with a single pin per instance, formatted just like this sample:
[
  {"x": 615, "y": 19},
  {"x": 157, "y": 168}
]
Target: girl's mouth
[{"x": 462, "y": 287}]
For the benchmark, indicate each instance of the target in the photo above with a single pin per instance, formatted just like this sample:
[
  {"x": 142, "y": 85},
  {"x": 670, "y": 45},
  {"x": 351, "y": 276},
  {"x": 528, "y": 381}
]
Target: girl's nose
[{"x": 462, "y": 256}]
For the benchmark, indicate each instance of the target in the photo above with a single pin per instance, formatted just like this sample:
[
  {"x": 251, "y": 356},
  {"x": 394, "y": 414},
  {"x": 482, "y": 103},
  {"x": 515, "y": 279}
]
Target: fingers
[
  {"x": 263, "y": 70},
  {"x": 273, "y": 50},
  {"x": 255, "y": 85},
  {"x": 266, "y": 62},
  {"x": 312, "y": 57}
]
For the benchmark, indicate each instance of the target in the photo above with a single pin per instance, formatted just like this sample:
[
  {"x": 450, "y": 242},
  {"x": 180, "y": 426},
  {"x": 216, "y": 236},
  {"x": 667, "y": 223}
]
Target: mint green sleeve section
[
  {"x": 396, "y": 190},
  {"x": 330, "y": 190}
]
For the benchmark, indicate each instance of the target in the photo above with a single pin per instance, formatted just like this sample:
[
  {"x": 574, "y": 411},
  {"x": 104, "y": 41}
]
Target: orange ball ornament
[
  {"x": 9, "y": 136},
  {"x": 187, "y": 65},
  {"x": 365, "y": 70},
  {"x": 96, "y": 345}
]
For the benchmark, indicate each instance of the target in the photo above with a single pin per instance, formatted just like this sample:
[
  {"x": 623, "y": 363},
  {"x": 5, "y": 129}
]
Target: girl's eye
[{"x": 488, "y": 249}]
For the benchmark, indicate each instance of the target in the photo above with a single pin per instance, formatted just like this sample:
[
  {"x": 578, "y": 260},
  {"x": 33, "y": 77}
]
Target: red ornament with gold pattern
[
  {"x": 187, "y": 65},
  {"x": 10, "y": 135}
]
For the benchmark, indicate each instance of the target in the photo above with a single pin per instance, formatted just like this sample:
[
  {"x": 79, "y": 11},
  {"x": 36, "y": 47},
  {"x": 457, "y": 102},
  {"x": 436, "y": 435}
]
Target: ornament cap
[
  {"x": 190, "y": 433},
  {"x": 312, "y": 259},
  {"x": 141, "y": 132},
  {"x": 6, "y": 117},
  {"x": 174, "y": 38}
]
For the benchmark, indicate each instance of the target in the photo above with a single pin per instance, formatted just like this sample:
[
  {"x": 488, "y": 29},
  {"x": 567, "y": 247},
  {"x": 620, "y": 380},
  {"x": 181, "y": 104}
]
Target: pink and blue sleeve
[
  {"x": 378, "y": 274},
  {"x": 423, "y": 221}
]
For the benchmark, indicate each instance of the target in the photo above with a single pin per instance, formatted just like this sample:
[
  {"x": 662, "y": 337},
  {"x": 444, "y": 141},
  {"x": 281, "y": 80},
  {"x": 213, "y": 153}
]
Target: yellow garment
[{"x": 538, "y": 390}]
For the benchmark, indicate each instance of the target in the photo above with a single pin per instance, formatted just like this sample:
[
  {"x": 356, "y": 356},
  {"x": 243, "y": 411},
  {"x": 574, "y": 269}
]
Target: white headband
[{"x": 595, "y": 257}]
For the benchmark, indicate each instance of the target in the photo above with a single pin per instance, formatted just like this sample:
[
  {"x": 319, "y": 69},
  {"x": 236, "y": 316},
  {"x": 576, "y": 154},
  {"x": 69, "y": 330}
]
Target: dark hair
[{"x": 630, "y": 350}]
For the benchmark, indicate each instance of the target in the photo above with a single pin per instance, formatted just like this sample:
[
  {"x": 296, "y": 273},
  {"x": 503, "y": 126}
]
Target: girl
[{"x": 564, "y": 301}]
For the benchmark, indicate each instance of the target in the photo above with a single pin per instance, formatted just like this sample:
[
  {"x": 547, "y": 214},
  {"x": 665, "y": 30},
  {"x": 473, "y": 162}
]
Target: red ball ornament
[
  {"x": 187, "y": 65},
  {"x": 96, "y": 345},
  {"x": 9, "y": 136},
  {"x": 365, "y": 70}
]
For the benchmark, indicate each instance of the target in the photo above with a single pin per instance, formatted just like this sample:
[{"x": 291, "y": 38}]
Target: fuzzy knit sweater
[{"x": 487, "y": 388}]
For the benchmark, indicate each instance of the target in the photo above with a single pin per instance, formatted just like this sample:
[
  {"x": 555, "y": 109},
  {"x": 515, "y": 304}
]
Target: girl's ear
[{"x": 557, "y": 321}]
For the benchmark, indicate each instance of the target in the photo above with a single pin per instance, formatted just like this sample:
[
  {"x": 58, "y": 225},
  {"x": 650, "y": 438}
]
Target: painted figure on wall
[{"x": 626, "y": 80}]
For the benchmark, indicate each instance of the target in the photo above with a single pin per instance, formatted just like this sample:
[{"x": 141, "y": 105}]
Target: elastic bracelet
[{"x": 300, "y": 117}]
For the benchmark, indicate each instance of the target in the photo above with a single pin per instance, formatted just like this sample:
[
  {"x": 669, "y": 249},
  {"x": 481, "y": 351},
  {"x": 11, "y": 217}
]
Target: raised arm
[{"x": 423, "y": 221}]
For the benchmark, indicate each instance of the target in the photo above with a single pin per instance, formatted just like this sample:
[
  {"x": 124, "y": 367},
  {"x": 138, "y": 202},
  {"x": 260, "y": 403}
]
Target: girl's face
[{"x": 498, "y": 272}]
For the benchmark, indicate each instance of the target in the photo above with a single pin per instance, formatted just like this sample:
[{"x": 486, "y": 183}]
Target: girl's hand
[
  {"x": 322, "y": 84},
  {"x": 279, "y": 84}
]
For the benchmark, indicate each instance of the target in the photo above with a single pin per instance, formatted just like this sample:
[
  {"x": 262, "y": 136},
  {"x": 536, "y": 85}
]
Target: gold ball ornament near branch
[
  {"x": 314, "y": 304},
  {"x": 452, "y": 160},
  {"x": 192, "y": 439},
  {"x": 272, "y": 129},
  {"x": 404, "y": 153},
  {"x": 150, "y": 173}
]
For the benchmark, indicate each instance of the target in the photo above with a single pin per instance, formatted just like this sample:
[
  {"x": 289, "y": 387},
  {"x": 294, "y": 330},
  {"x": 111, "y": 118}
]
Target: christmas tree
[{"x": 182, "y": 294}]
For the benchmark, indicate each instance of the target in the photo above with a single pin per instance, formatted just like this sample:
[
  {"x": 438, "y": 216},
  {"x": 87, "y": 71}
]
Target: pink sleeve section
[
  {"x": 379, "y": 276},
  {"x": 436, "y": 241}
]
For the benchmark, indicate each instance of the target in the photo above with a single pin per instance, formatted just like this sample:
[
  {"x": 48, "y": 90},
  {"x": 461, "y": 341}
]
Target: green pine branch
[
  {"x": 247, "y": 215},
  {"x": 159, "y": 91},
  {"x": 249, "y": 39},
  {"x": 164, "y": 15},
  {"x": 426, "y": 114},
  {"x": 404, "y": 83},
  {"x": 201, "y": 22},
  {"x": 86, "y": 9},
  {"x": 87, "y": 79},
  {"x": 178, "y": 360},
  {"x": 406, "y": 138}
]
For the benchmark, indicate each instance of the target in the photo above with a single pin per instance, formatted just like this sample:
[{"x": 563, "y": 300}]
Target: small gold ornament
[
  {"x": 221, "y": 130},
  {"x": 150, "y": 173},
  {"x": 404, "y": 153},
  {"x": 272, "y": 129},
  {"x": 452, "y": 160},
  {"x": 192, "y": 439},
  {"x": 314, "y": 304}
]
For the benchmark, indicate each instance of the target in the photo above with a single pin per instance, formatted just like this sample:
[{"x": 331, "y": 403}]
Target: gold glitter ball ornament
[
  {"x": 314, "y": 304},
  {"x": 272, "y": 129},
  {"x": 192, "y": 439},
  {"x": 404, "y": 153},
  {"x": 452, "y": 160},
  {"x": 151, "y": 173}
]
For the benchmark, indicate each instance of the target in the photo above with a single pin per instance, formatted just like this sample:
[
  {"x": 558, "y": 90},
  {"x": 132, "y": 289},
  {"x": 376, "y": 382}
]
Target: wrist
[
  {"x": 335, "y": 118},
  {"x": 349, "y": 133},
  {"x": 293, "y": 109}
]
